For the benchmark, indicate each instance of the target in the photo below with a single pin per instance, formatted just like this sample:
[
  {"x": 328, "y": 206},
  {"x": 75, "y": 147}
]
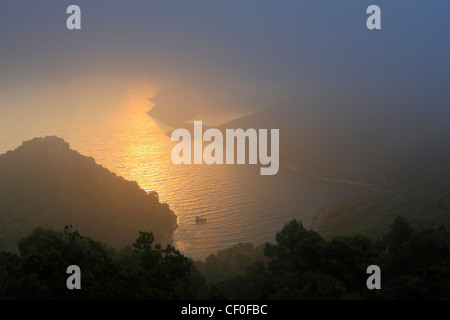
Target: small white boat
[{"x": 200, "y": 219}]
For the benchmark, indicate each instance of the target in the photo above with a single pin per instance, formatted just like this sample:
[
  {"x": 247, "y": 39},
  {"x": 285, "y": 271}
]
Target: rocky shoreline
[{"x": 317, "y": 218}]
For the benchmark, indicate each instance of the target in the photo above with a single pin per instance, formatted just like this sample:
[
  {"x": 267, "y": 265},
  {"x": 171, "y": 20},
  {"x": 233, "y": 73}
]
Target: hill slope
[
  {"x": 213, "y": 103},
  {"x": 45, "y": 183},
  {"x": 399, "y": 146},
  {"x": 345, "y": 138},
  {"x": 420, "y": 194}
]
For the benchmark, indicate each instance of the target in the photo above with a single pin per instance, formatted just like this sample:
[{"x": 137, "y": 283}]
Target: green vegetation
[
  {"x": 45, "y": 183},
  {"x": 420, "y": 194},
  {"x": 302, "y": 265},
  {"x": 414, "y": 264},
  {"x": 143, "y": 272},
  {"x": 230, "y": 262}
]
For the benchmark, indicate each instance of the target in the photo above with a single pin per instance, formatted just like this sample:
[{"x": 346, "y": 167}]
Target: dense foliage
[
  {"x": 420, "y": 194},
  {"x": 415, "y": 264},
  {"x": 231, "y": 261},
  {"x": 45, "y": 183},
  {"x": 138, "y": 272}
]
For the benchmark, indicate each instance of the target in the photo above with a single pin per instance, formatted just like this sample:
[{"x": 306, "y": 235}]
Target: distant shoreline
[
  {"x": 315, "y": 176},
  {"x": 320, "y": 213}
]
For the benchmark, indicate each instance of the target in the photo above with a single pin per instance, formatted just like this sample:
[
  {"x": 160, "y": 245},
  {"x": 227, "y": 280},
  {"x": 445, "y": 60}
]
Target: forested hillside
[
  {"x": 420, "y": 193},
  {"x": 300, "y": 265},
  {"x": 45, "y": 183}
]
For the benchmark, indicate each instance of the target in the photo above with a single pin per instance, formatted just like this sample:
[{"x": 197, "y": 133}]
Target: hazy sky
[{"x": 260, "y": 44}]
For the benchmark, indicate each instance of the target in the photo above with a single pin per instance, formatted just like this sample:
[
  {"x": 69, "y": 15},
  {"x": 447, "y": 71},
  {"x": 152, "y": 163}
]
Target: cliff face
[{"x": 45, "y": 183}]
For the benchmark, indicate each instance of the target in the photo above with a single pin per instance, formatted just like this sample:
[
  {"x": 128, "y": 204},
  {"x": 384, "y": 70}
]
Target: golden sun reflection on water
[
  {"x": 139, "y": 150},
  {"x": 137, "y": 146}
]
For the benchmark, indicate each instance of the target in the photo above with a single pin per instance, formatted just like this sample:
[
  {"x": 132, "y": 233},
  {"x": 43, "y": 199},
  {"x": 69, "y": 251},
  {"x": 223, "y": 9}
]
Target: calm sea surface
[{"x": 110, "y": 124}]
